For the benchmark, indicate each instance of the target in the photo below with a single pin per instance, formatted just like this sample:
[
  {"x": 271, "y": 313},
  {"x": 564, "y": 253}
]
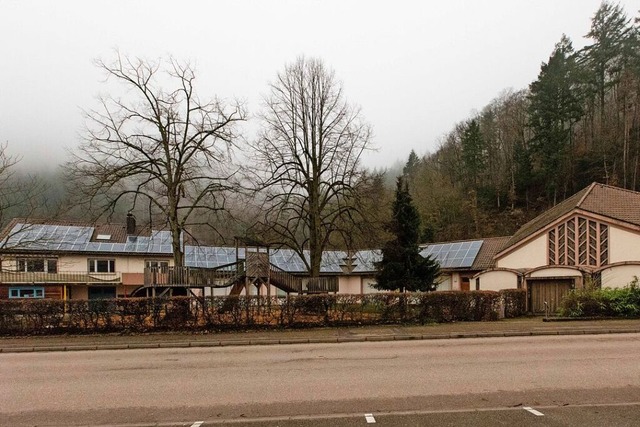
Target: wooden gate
[{"x": 550, "y": 291}]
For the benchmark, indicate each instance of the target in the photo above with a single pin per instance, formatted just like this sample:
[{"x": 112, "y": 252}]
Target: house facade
[{"x": 591, "y": 238}]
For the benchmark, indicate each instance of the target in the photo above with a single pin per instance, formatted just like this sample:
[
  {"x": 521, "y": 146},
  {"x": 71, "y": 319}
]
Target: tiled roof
[
  {"x": 612, "y": 202},
  {"x": 490, "y": 247}
]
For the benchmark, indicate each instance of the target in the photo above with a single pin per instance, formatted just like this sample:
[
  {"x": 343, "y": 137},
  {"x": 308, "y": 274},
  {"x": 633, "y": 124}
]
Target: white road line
[
  {"x": 197, "y": 424},
  {"x": 369, "y": 418},
  {"x": 533, "y": 411}
]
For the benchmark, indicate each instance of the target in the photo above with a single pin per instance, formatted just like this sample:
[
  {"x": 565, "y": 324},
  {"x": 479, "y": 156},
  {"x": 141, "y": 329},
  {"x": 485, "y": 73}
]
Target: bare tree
[
  {"x": 310, "y": 147},
  {"x": 164, "y": 149}
]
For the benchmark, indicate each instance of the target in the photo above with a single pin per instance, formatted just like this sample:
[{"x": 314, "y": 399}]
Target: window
[
  {"x": 162, "y": 265},
  {"x": 39, "y": 265},
  {"x": 26, "y": 292},
  {"x": 102, "y": 266},
  {"x": 578, "y": 241}
]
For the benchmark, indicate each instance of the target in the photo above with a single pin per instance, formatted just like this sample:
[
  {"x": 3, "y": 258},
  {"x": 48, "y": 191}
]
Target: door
[{"x": 550, "y": 291}]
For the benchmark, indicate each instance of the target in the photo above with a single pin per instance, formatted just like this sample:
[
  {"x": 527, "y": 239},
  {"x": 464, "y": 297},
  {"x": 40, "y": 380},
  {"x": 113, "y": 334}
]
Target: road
[{"x": 594, "y": 378}]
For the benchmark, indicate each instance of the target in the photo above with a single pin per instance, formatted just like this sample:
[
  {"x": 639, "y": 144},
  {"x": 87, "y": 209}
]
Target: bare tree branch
[
  {"x": 167, "y": 149},
  {"x": 309, "y": 150}
]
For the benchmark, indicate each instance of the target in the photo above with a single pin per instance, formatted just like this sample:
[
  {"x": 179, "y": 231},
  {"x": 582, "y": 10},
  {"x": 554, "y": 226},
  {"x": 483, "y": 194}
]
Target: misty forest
[{"x": 181, "y": 160}]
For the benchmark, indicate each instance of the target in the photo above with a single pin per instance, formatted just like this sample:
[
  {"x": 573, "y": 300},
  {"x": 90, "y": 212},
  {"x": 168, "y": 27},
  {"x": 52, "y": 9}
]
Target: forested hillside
[{"x": 529, "y": 149}]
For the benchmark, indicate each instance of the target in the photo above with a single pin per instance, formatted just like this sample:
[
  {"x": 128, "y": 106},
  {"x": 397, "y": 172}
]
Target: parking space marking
[
  {"x": 197, "y": 424},
  {"x": 369, "y": 418},
  {"x": 533, "y": 411}
]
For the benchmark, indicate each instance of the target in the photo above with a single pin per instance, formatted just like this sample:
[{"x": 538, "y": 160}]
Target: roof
[
  {"x": 601, "y": 199},
  {"x": 60, "y": 237},
  {"x": 22, "y": 236},
  {"x": 490, "y": 247}
]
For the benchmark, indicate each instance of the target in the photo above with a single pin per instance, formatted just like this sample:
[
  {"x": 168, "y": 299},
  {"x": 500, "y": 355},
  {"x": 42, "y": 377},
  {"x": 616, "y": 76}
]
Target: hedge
[
  {"x": 607, "y": 302},
  {"x": 28, "y": 317}
]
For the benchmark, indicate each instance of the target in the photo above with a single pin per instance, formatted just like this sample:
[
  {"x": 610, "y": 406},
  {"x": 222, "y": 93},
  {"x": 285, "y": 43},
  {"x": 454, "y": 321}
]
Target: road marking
[
  {"x": 197, "y": 424},
  {"x": 369, "y": 418},
  {"x": 533, "y": 411}
]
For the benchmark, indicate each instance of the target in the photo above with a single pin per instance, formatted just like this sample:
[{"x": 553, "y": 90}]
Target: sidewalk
[{"x": 503, "y": 328}]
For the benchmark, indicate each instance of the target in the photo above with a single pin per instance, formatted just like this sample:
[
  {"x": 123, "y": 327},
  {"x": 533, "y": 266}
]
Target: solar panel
[{"x": 453, "y": 255}]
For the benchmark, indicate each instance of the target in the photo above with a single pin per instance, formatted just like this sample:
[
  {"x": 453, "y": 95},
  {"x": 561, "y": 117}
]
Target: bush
[
  {"x": 21, "y": 317},
  {"x": 607, "y": 302},
  {"x": 515, "y": 302}
]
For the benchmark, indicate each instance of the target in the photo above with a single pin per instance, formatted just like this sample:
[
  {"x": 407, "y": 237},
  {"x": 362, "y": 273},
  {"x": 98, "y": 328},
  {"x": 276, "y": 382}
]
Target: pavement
[{"x": 530, "y": 326}]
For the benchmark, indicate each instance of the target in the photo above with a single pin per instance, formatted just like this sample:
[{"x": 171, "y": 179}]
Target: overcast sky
[{"x": 415, "y": 67}]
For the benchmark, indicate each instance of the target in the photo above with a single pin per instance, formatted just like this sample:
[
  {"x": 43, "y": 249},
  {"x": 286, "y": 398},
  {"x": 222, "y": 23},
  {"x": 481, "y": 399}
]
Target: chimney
[{"x": 131, "y": 224}]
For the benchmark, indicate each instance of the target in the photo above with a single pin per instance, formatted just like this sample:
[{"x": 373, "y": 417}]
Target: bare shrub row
[{"x": 29, "y": 317}]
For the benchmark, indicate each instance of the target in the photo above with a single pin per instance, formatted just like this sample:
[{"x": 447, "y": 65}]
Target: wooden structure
[{"x": 252, "y": 268}]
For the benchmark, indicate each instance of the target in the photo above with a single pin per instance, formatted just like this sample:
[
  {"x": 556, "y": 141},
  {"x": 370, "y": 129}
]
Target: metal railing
[{"x": 8, "y": 277}]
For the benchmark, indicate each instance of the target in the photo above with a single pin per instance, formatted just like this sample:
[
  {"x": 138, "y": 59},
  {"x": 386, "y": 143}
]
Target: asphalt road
[{"x": 573, "y": 380}]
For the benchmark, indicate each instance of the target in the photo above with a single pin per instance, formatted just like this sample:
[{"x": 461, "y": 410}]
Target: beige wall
[
  {"x": 349, "y": 285},
  {"x": 124, "y": 264},
  {"x": 532, "y": 254},
  {"x": 444, "y": 282},
  {"x": 496, "y": 280},
  {"x": 623, "y": 245},
  {"x": 556, "y": 272},
  {"x": 367, "y": 285},
  {"x": 619, "y": 276}
]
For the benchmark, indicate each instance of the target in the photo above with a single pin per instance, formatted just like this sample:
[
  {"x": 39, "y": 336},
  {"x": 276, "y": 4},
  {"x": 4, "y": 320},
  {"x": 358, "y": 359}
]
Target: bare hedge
[{"x": 29, "y": 317}]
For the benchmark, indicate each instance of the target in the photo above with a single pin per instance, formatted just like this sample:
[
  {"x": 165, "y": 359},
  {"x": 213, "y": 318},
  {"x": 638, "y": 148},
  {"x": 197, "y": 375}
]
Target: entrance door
[{"x": 550, "y": 291}]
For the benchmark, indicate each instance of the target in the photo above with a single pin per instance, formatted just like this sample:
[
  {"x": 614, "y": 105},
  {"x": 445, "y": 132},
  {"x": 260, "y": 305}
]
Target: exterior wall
[
  {"x": 78, "y": 292},
  {"x": 619, "y": 276},
  {"x": 623, "y": 245},
  {"x": 124, "y": 263},
  {"x": 444, "y": 282},
  {"x": 556, "y": 272},
  {"x": 496, "y": 280},
  {"x": 350, "y": 285},
  {"x": 532, "y": 254},
  {"x": 367, "y": 285}
]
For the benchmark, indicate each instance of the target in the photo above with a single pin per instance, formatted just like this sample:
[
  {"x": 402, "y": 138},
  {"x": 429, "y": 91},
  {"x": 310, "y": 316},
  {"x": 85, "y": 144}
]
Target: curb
[{"x": 327, "y": 340}]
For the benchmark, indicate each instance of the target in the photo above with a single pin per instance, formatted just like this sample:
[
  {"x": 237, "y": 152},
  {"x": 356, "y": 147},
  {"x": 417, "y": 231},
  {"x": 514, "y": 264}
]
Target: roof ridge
[{"x": 586, "y": 193}]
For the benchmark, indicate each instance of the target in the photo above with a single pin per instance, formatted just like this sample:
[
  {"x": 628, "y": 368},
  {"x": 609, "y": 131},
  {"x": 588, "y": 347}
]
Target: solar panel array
[
  {"x": 210, "y": 256},
  {"x": 287, "y": 260},
  {"x": 77, "y": 239},
  {"x": 453, "y": 255}
]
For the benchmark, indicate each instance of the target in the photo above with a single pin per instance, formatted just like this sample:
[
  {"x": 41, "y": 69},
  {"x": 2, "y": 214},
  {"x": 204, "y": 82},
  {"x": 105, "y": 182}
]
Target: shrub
[
  {"x": 594, "y": 302},
  {"x": 239, "y": 312},
  {"x": 515, "y": 302}
]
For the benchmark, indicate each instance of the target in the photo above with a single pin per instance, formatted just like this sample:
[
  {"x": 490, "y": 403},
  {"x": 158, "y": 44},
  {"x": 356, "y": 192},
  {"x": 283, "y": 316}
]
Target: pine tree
[
  {"x": 473, "y": 153},
  {"x": 554, "y": 108},
  {"x": 402, "y": 267}
]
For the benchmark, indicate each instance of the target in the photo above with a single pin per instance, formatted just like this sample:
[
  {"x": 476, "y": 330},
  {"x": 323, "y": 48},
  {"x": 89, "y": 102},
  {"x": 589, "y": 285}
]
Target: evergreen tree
[
  {"x": 473, "y": 153},
  {"x": 402, "y": 267},
  {"x": 554, "y": 108},
  {"x": 411, "y": 167}
]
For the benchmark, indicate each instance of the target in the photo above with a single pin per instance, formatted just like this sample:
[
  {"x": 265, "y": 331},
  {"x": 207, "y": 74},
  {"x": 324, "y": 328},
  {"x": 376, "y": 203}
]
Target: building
[{"x": 593, "y": 237}]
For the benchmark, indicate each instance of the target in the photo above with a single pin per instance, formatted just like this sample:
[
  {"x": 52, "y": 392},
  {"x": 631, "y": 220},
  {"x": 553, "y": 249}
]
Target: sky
[{"x": 415, "y": 68}]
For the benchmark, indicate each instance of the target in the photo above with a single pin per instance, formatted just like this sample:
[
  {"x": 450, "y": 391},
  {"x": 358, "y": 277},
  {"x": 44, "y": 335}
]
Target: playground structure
[{"x": 252, "y": 268}]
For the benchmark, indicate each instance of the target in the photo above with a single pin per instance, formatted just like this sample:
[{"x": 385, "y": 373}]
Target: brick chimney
[{"x": 131, "y": 224}]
